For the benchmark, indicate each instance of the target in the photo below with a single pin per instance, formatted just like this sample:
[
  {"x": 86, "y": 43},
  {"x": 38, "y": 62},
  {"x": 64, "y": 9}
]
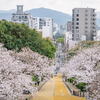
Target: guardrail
[{"x": 73, "y": 90}]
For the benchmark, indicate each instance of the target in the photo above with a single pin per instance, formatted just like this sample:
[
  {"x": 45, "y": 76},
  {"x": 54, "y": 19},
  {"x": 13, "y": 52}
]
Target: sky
[{"x": 65, "y": 6}]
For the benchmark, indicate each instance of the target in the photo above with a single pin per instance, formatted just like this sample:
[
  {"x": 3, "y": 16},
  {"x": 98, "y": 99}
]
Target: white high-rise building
[
  {"x": 69, "y": 26},
  {"x": 43, "y": 25},
  {"x": 83, "y": 24},
  {"x": 55, "y": 28},
  {"x": 97, "y": 38},
  {"x": 21, "y": 17}
]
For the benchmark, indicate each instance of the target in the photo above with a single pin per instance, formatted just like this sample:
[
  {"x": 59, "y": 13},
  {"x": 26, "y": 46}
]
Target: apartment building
[
  {"x": 69, "y": 26},
  {"x": 83, "y": 24},
  {"x": 21, "y": 17},
  {"x": 43, "y": 25}
]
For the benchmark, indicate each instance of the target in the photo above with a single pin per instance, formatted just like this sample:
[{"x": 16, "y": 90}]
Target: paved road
[
  {"x": 59, "y": 60},
  {"x": 55, "y": 89}
]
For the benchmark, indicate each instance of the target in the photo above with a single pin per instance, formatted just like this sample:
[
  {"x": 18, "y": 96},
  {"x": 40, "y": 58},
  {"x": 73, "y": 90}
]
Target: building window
[
  {"x": 13, "y": 17},
  {"x": 72, "y": 19},
  {"x": 44, "y": 23},
  {"x": 93, "y": 23},
  {"x": 22, "y": 17},
  {"x": 19, "y": 17},
  {"x": 77, "y": 23},
  {"x": 77, "y": 19},
  {"x": 26, "y": 17},
  {"x": 77, "y": 15},
  {"x": 94, "y": 15},
  {"x": 77, "y": 27},
  {"x": 49, "y": 19}
]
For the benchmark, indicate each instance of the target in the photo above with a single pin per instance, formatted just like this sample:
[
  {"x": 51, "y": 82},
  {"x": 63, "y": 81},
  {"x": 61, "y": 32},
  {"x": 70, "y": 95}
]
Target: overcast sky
[{"x": 65, "y": 6}]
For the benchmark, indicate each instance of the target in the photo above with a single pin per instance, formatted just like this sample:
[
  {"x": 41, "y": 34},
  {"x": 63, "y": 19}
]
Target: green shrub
[
  {"x": 16, "y": 36},
  {"x": 35, "y": 78},
  {"x": 82, "y": 86},
  {"x": 71, "y": 53},
  {"x": 72, "y": 80},
  {"x": 60, "y": 40}
]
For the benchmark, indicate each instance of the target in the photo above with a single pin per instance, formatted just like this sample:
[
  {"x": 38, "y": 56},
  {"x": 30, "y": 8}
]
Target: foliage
[
  {"x": 82, "y": 86},
  {"x": 71, "y": 54},
  {"x": 35, "y": 78},
  {"x": 72, "y": 80},
  {"x": 60, "y": 40},
  {"x": 16, "y": 36},
  {"x": 58, "y": 35}
]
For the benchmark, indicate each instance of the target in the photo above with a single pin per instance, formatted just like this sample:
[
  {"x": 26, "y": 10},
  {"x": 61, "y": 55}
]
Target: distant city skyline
[{"x": 65, "y": 6}]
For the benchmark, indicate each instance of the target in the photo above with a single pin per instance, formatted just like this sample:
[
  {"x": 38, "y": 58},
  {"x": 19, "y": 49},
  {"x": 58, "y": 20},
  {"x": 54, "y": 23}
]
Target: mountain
[
  {"x": 98, "y": 18},
  {"x": 6, "y": 14},
  {"x": 7, "y": 11},
  {"x": 59, "y": 17}
]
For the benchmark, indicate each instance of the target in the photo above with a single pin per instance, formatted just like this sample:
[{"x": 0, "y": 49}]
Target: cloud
[{"x": 61, "y": 5}]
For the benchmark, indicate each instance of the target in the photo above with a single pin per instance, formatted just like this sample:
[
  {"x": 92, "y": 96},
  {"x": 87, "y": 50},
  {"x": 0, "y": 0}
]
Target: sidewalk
[{"x": 55, "y": 89}]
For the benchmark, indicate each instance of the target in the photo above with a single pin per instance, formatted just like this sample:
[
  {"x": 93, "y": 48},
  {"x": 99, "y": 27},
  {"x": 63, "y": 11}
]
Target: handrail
[{"x": 73, "y": 91}]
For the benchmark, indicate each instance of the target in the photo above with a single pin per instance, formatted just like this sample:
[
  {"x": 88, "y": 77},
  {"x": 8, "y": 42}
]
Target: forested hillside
[{"x": 16, "y": 36}]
